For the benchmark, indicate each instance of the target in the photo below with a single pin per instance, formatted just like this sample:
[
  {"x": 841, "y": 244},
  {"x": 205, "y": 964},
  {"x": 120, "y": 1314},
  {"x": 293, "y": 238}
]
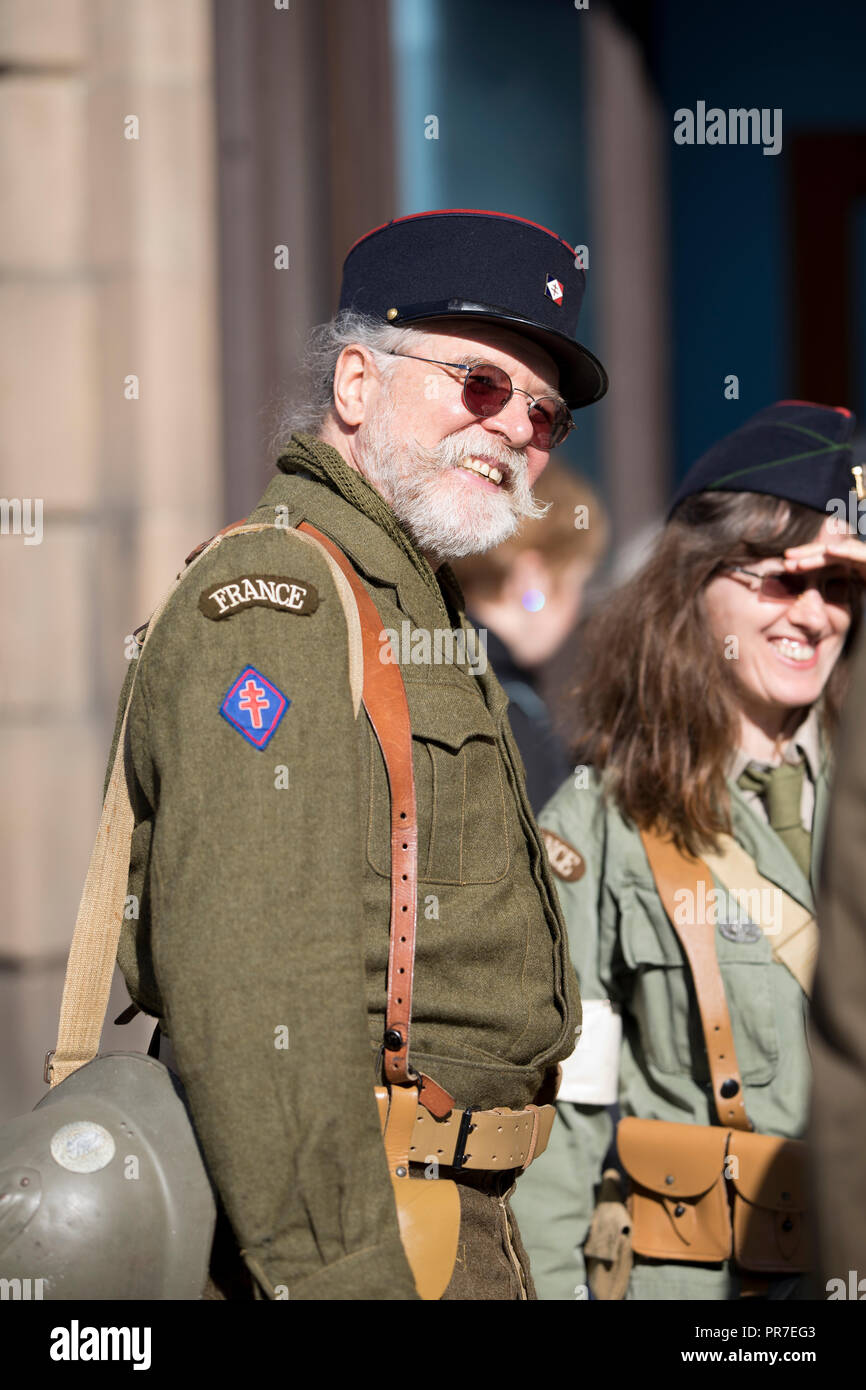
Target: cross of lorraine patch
[
  {"x": 553, "y": 289},
  {"x": 254, "y": 706}
]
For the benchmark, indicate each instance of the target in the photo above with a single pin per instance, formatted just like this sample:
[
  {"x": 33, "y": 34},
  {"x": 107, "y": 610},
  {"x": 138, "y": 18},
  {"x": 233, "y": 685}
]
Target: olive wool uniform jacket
[
  {"x": 261, "y": 862},
  {"x": 838, "y": 1128},
  {"x": 642, "y": 1046}
]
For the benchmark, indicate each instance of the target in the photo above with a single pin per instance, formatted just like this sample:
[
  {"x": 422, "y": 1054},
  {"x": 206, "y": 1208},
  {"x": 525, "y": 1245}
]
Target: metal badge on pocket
[{"x": 742, "y": 933}]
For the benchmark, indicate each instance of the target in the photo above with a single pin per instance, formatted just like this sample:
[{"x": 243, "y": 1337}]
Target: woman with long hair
[{"x": 686, "y": 847}]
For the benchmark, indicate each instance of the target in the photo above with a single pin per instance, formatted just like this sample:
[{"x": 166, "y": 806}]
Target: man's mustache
[{"x": 510, "y": 462}]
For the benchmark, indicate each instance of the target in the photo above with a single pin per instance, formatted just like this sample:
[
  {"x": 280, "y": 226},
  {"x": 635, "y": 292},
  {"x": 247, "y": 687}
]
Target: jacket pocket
[
  {"x": 663, "y": 1000},
  {"x": 656, "y": 987},
  {"x": 459, "y": 788}
]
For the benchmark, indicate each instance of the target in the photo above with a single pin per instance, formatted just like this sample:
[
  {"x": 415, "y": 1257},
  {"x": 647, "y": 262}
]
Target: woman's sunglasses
[
  {"x": 784, "y": 586},
  {"x": 488, "y": 389}
]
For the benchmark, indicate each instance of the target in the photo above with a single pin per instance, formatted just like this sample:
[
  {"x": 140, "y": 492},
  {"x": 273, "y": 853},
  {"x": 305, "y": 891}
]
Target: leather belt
[{"x": 480, "y": 1139}]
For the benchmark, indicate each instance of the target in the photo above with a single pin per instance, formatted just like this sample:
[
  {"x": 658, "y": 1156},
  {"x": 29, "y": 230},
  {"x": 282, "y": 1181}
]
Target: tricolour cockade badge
[
  {"x": 553, "y": 289},
  {"x": 258, "y": 590},
  {"x": 254, "y": 706}
]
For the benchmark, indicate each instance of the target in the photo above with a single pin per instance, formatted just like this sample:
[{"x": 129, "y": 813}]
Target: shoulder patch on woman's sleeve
[{"x": 565, "y": 861}]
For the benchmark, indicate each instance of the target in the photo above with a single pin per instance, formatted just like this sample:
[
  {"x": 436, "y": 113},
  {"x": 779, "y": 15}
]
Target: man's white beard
[{"x": 416, "y": 484}]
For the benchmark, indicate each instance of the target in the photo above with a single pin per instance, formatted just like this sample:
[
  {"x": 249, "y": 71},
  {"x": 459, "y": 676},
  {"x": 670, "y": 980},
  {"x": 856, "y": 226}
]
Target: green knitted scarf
[{"x": 308, "y": 453}]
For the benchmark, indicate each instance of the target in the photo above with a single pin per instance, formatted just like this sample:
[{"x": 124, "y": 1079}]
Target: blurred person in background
[
  {"x": 838, "y": 1122},
  {"x": 527, "y": 594},
  {"x": 711, "y": 682}
]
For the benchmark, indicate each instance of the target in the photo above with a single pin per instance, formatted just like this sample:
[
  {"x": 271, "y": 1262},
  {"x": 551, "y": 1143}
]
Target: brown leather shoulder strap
[
  {"x": 384, "y": 696},
  {"x": 674, "y": 871}
]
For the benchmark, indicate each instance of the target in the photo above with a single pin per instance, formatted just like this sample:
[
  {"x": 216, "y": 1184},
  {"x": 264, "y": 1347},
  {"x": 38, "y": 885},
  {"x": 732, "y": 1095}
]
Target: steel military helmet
[{"x": 103, "y": 1191}]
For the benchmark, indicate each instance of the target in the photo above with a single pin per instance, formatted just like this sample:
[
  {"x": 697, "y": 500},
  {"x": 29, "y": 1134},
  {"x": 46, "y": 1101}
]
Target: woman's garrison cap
[
  {"x": 793, "y": 449},
  {"x": 479, "y": 266}
]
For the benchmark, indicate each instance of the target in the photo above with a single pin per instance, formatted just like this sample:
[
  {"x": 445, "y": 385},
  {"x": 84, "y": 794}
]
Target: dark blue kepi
[
  {"x": 480, "y": 266},
  {"x": 793, "y": 449}
]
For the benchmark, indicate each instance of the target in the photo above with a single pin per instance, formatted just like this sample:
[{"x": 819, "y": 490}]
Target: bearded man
[{"x": 296, "y": 915}]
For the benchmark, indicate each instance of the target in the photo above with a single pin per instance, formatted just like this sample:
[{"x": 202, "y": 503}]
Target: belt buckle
[
  {"x": 466, "y": 1127},
  {"x": 535, "y": 1111}
]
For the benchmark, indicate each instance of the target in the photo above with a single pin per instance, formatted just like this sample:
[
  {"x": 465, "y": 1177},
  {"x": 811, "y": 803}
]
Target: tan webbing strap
[
  {"x": 674, "y": 871},
  {"x": 794, "y": 943},
  {"x": 90, "y": 964},
  {"x": 92, "y": 954},
  {"x": 388, "y": 711}
]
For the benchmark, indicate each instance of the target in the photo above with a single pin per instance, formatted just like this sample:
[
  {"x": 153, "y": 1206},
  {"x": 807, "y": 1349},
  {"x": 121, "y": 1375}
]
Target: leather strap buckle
[
  {"x": 533, "y": 1138},
  {"x": 463, "y": 1133},
  {"x": 46, "y": 1070}
]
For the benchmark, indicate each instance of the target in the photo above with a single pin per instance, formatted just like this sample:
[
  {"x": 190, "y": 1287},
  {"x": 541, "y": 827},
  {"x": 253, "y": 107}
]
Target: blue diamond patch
[{"x": 254, "y": 706}]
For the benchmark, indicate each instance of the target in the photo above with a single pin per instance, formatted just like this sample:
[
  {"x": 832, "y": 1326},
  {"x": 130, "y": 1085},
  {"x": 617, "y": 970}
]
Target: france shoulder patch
[{"x": 254, "y": 706}]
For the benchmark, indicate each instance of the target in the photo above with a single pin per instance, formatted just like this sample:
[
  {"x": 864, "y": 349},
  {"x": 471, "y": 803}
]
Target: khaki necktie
[{"x": 782, "y": 791}]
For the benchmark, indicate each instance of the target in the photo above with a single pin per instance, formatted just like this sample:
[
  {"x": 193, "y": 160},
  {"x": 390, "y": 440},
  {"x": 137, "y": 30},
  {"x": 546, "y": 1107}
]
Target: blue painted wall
[
  {"x": 730, "y": 216},
  {"x": 505, "y": 82}
]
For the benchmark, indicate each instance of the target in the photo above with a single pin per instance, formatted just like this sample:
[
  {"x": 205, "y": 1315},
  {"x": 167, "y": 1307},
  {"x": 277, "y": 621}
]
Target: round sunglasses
[
  {"x": 487, "y": 389},
  {"x": 784, "y": 586}
]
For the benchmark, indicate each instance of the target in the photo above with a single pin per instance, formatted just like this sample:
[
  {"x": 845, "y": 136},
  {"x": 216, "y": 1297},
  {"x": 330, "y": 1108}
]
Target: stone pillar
[
  {"x": 306, "y": 161},
  {"x": 108, "y": 424},
  {"x": 628, "y": 193}
]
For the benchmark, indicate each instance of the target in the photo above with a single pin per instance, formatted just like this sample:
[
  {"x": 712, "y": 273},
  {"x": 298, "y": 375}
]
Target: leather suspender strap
[
  {"x": 674, "y": 871},
  {"x": 384, "y": 696}
]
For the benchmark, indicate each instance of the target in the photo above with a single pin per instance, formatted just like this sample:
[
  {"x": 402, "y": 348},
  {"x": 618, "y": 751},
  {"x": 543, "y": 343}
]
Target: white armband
[{"x": 590, "y": 1076}]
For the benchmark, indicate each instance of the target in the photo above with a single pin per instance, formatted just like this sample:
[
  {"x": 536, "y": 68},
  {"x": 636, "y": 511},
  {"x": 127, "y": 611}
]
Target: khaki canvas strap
[
  {"x": 674, "y": 871},
  {"x": 92, "y": 954},
  {"x": 794, "y": 943},
  {"x": 90, "y": 965}
]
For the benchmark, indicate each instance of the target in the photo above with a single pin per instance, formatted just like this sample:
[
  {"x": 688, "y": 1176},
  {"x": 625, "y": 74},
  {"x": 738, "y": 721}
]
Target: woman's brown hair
[{"x": 656, "y": 705}]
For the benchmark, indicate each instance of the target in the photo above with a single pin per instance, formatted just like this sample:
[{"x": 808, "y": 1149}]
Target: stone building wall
[{"x": 108, "y": 272}]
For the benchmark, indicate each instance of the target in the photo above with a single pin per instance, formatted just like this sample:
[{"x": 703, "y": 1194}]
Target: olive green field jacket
[
  {"x": 263, "y": 878},
  {"x": 633, "y": 976}
]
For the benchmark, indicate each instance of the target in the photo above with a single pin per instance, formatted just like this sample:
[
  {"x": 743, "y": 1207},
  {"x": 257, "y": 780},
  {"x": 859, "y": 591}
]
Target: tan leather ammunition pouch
[
  {"x": 702, "y": 1194},
  {"x": 706, "y": 1193},
  {"x": 769, "y": 1182},
  {"x": 679, "y": 1206}
]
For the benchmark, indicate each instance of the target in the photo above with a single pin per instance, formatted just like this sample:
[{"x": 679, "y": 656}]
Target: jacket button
[
  {"x": 393, "y": 1039},
  {"x": 679, "y": 1209},
  {"x": 729, "y": 1088}
]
